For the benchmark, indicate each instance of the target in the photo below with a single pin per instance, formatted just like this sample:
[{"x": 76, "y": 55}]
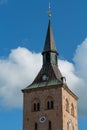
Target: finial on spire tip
[
  {"x": 49, "y": 11},
  {"x": 49, "y": 6}
]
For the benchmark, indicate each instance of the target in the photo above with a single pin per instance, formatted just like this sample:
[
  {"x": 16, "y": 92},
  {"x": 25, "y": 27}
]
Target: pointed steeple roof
[
  {"x": 49, "y": 75},
  {"x": 50, "y": 42}
]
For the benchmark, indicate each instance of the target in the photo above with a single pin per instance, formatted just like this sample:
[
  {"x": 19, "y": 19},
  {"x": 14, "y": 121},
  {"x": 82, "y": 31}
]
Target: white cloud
[
  {"x": 76, "y": 75},
  {"x": 80, "y": 60},
  {"x": 16, "y": 72},
  {"x": 68, "y": 71},
  {"x": 3, "y": 2},
  {"x": 21, "y": 67},
  {"x": 76, "y": 84}
]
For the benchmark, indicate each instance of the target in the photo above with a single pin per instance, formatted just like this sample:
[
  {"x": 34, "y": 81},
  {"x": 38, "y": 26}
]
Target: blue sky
[{"x": 23, "y": 26}]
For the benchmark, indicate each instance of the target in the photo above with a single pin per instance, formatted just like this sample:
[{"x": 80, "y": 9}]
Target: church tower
[{"x": 48, "y": 102}]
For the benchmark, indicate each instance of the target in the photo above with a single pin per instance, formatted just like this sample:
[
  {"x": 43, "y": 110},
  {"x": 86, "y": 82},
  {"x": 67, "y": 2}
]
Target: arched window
[
  {"x": 72, "y": 109},
  {"x": 67, "y": 105},
  {"x": 50, "y": 104},
  {"x": 36, "y": 126},
  {"x": 49, "y": 125},
  {"x": 70, "y": 125},
  {"x": 36, "y": 105}
]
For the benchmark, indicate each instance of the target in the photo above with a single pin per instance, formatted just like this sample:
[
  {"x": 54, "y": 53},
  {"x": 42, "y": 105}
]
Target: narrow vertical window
[
  {"x": 72, "y": 109},
  {"x": 50, "y": 125},
  {"x": 48, "y": 58},
  {"x": 56, "y": 59},
  {"x": 48, "y": 105},
  {"x": 67, "y": 105},
  {"x": 52, "y": 105},
  {"x": 36, "y": 126},
  {"x": 38, "y": 106},
  {"x": 34, "y": 106}
]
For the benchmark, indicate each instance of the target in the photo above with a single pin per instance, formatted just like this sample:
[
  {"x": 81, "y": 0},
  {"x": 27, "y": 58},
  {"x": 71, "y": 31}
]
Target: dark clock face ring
[{"x": 42, "y": 119}]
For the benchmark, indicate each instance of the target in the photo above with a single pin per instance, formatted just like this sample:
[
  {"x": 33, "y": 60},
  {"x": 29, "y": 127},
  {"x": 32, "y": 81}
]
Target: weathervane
[{"x": 49, "y": 11}]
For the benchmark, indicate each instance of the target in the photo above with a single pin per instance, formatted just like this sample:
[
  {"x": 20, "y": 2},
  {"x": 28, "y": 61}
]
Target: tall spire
[
  {"x": 49, "y": 52},
  {"x": 50, "y": 42}
]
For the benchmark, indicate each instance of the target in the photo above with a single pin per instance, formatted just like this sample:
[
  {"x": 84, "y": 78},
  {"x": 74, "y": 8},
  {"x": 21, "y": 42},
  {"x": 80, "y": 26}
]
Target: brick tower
[{"x": 48, "y": 102}]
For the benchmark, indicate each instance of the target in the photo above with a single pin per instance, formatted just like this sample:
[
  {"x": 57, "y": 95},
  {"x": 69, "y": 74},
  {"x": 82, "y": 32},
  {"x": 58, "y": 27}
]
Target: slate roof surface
[
  {"x": 53, "y": 77},
  {"x": 49, "y": 42}
]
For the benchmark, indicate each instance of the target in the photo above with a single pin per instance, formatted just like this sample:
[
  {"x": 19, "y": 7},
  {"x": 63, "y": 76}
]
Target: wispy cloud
[
  {"x": 3, "y": 2},
  {"x": 22, "y": 65}
]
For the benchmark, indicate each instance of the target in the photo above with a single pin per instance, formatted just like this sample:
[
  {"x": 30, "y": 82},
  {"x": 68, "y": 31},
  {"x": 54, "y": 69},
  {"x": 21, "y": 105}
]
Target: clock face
[
  {"x": 44, "y": 77},
  {"x": 42, "y": 119}
]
